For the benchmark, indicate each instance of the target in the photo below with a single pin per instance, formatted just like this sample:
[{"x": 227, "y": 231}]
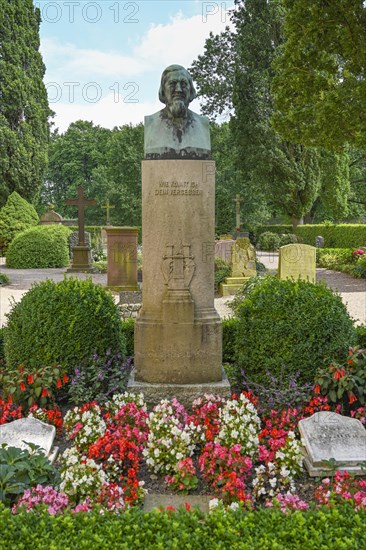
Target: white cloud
[
  {"x": 109, "y": 112},
  {"x": 179, "y": 41}
]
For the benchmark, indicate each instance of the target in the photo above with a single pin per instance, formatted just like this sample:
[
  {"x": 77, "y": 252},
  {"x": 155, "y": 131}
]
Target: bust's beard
[{"x": 178, "y": 108}]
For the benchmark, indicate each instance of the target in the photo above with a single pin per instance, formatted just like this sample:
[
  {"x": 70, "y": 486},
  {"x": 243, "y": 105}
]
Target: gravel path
[{"x": 352, "y": 291}]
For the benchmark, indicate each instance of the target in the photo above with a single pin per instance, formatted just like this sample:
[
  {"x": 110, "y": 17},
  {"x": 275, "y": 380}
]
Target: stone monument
[
  {"x": 178, "y": 335},
  {"x": 81, "y": 252},
  {"x": 122, "y": 258},
  {"x": 297, "y": 261},
  {"x": 50, "y": 217}
]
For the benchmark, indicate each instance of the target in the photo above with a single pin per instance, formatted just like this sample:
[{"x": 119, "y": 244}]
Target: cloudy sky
[{"x": 104, "y": 59}]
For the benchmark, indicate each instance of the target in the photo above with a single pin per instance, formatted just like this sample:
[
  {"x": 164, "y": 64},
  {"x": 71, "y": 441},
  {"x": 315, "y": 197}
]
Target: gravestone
[
  {"x": 29, "y": 430},
  {"x": 50, "y": 217},
  {"x": 223, "y": 249},
  {"x": 328, "y": 435},
  {"x": 81, "y": 252},
  {"x": 319, "y": 241},
  {"x": 178, "y": 333},
  {"x": 122, "y": 258},
  {"x": 242, "y": 264},
  {"x": 297, "y": 261}
]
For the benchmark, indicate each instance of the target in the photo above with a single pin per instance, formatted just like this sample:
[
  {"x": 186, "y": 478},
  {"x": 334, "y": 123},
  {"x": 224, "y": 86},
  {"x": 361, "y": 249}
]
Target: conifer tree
[{"x": 24, "y": 110}]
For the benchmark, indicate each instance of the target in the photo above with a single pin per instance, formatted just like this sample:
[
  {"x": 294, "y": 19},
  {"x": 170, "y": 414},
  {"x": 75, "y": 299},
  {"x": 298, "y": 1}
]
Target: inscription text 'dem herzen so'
[{"x": 178, "y": 188}]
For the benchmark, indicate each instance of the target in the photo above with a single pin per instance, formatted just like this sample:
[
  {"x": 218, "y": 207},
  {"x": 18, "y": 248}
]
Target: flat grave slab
[
  {"x": 327, "y": 435},
  {"x": 29, "y": 430}
]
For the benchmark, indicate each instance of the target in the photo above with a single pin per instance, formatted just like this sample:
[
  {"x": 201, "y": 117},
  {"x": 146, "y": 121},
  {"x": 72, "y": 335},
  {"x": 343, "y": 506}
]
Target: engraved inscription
[{"x": 175, "y": 187}]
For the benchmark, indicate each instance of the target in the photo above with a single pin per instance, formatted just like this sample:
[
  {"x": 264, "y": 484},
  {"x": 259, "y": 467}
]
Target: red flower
[
  {"x": 59, "y": 383},
  {"x": 65, "y": 378},
  {"x": 30, "y": 379},
  {"x": 22, "y": 386},
  {"x": 10, "y": 398},
  {"x": 45, "y": 393},
  {"x": 21, "y": 368},
  {"x": 339, "y": 373},
  {"x": 352, "y": 398},
  {"x": 317, "y": 389}
]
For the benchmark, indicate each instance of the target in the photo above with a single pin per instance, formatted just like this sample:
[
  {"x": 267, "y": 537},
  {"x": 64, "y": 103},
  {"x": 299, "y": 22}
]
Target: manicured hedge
[
  {"x": 335, "y": 236},
  {"x": 16, "y": 216},
  {"x": 62, "y": 323},
  {"x": 344, "y": 235},
  {"x": 288, "y": 326},
  {"x": 341, "y": 528},
  {"x": 39, "y": 247},
  {"x": 332, "y": 257}
]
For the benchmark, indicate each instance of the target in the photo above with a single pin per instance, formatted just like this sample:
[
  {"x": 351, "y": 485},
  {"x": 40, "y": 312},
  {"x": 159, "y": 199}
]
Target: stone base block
[
  {"x": 80, "y": 262},
  {"x": 176, "y": 352},
  {"x": 122, "y": 288},
  {"x": 232, "y": 285},
  {"x": 323, "y": 471},
  {"x": 185, "y": 393}
]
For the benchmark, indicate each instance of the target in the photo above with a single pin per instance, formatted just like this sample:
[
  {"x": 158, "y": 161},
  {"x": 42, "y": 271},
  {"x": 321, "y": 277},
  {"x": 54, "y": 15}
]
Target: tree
[
  {"x": 24, "y": 110},
  {"x": 107, "y": 163},
  {"x": 272, "y": 170},
  {"x": 126, "y": 150},
  {"x": 73, "y": 157},
  {"x": 15, "y": 216},
  {"x": 320, "y": 86}
]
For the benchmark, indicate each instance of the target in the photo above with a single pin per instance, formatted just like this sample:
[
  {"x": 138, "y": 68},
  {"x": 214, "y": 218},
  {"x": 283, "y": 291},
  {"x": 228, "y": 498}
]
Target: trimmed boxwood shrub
[
  {"x": 288, "y": 326},
  {"x": 269, "y": 241},
  {"x": 62, "y": 323},
  {"x": 229, "y": 331},
  {"x": 39, "y": 247},
  {"x": 15, "y": 216},
  {"x": 344, "y": 235},
  {"x": 128, "y": 327},
  {"x": 333, "y": 257},
  {"x": 2, "y": 355},
  {"x": 288, "y": 238},
  {"x": 339, "y": 527},
  {"x": 222, "y": 270}
]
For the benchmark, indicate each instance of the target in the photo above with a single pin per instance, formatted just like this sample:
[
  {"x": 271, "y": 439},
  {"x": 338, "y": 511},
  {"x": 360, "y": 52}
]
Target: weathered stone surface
[
  {"x": 223, "y": 249},
  {"x": 243, "y": 258},
  {"x": 297, "y": 261},
  {"x": 178, "y": 332},
  {"x": 185, "y": 393},
  {"x": 122, "y": 258},
  {"x": 30, "y": 430},
  {"x": 50, "y": 218},
  {"x": 319, "y": 241},
  {"x": 327, "y": 435}
]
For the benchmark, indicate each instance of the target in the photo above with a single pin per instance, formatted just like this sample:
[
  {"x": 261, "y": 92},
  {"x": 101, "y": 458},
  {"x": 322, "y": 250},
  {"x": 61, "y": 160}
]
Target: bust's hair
[{"x": 164, "y": 76}]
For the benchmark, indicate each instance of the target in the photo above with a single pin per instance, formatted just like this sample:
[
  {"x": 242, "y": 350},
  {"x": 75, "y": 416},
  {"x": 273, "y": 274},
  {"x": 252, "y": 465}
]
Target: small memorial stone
[
  {"x": 327, "y": 435},
  {"x": 297, "y": 261},
  {"x": 319, "y": 241},
  {"x": 29, "y": 430}
]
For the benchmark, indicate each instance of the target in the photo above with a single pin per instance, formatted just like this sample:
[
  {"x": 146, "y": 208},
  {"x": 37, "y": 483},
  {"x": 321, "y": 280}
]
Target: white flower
[
  {"x": 234, "y": 506},
  {"x": 214, "y": 502}
]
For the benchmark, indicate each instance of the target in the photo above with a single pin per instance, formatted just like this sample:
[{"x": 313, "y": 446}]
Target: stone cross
[
  {"x": 237, "y": 201},
  {"x": 108, "y": 207},
  {"x": 81, "y": 202}
]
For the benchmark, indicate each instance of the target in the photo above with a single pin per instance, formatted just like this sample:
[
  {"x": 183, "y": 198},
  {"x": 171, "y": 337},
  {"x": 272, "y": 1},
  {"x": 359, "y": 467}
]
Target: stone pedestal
[
  {"x": 178, "y": 337},
  {"x": 122, "y": 258},
  {"x": 80, "y": 261}
]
